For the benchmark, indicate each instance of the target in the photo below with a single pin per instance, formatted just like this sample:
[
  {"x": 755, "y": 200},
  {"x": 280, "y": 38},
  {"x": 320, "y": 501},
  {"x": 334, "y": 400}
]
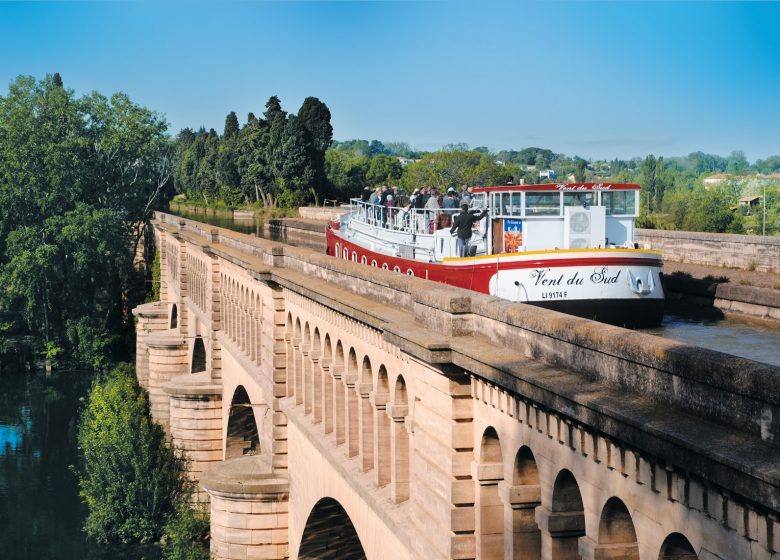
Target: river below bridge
[
  {"x": 41, "y": 514},
  {"x": 689, "y": 324}
]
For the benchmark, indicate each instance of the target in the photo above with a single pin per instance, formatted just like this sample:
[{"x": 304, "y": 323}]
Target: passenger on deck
[
  {"x": 432, "y": 210},
  {"x": 463, "y": 223}
]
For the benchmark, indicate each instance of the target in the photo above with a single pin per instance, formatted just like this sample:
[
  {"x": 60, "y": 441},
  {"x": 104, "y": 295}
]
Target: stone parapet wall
[
  {"x": 747, "y": 252},
  {"x": 323, "y": 214}
]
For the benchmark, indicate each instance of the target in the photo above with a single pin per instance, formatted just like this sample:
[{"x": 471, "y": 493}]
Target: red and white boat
[{"x": 567, "y": 247}]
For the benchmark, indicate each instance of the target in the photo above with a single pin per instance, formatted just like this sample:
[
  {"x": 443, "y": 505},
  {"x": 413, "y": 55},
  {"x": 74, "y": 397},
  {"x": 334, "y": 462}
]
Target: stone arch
[
  {"x": 364, "y": 388},
  {"x": 173, "y": 323},
  {"x": 677, "y": 547},
  {"x": 353, "y": 423},
  {"x": 242, "y": 435},
  {"x": 290, "y": 358},
  {"x": 298, "y": 362},
  {"x": 198, "y": 355},
  {"x": 399, "y": 475},
  {"x": 523, "y": 538},
  {"x": 327, "y": 384},
  {"x": 617, "y": 528},
  {"x": 308, "y": 367},
  {"x": 490, "y": 514},
  {"x": 568, "y": 518},
  {"x": 318, "y": 375},
  {"x": 329, "y": 534},
  {"x": 338, "y": 394},
  {"x": 382, "y": 444}
]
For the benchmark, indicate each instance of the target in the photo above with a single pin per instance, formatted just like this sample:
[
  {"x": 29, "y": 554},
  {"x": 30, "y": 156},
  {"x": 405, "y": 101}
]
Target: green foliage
[
  {"x": 76, "y": 177},
  {"x": 130, "y": 478},
  {"x": 187, "y": 534},
  {"x": 275, "y": 160},
  {"x": 156, "y": 271}
]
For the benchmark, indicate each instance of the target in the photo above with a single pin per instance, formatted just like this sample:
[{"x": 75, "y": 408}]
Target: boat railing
[{"x": 402, "y": 219}]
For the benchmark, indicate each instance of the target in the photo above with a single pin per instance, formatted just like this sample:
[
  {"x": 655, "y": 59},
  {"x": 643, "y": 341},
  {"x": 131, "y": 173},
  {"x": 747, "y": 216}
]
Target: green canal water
[{"x": 41, "y": 514}]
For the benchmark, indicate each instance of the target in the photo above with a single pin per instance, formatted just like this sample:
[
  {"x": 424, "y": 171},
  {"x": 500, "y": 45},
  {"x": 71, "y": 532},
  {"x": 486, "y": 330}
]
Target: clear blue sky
[{"x": 595, "y": 79}]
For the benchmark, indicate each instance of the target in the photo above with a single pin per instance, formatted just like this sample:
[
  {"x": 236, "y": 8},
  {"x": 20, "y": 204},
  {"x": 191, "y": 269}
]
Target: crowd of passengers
[{"x": 394, "y": 209}]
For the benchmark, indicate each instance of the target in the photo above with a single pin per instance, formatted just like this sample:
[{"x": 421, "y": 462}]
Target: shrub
[
  {"x": 187, "y": 534},
  {"x": 129, "y": 477}
]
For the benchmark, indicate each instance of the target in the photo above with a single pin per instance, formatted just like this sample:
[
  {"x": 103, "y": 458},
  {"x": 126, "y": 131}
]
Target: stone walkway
[{"x": 735, "y": 276}]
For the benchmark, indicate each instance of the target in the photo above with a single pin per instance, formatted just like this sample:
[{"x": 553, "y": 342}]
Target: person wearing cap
[
  {"x": 389, "y": 211},
  {"x": 366, "y": 194},
  {"x": 463, "y": 224}
]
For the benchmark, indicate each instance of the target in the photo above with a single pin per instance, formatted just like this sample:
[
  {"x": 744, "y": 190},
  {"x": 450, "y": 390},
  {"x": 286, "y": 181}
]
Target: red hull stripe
[{"x": 472, "y": 277}]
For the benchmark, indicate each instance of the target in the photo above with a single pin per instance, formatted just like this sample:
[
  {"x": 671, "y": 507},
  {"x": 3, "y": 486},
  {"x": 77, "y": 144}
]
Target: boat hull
[{"x": 616, "y": 286}]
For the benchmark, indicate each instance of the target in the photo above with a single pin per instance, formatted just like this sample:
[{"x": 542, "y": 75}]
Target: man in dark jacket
[{"x": 463, "y": 223}]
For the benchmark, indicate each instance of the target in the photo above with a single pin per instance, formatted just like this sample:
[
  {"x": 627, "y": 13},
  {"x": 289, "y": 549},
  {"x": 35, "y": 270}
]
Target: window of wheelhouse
[
  {"x": 507, "y": 204},
  {"x": 585, "y": 199},
  {"x": 542, "y": 204},
  {"x": 619, "y": 203},
  {"x": 479, "y": 200}
]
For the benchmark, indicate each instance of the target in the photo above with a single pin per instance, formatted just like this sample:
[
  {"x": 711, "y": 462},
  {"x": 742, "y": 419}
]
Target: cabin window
[
  {"x": 508, "y": 204},
  {"x": 396, "y": 269},
  {"x": 410, "y": 272},
  {"x": 384, "y": 266},
  {"x": 354, "y": 256},
  {"x": 542, "y": 204},
  {"x": 619, "y": 202},
  {"x": 346, "y": 254},
  {"x": 585, "y": 199},
  {"x": 363, "y": 260},
  {"x": 373, "y": 262},
  {"x": 338, "y": 249},
  {"x": 478, "y": 201}
]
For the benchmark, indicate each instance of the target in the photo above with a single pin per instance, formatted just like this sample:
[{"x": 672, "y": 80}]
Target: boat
[{"x": 567, "y": 246}]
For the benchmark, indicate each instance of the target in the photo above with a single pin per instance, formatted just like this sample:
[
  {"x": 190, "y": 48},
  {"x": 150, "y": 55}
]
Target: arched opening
[
  {"x": 306, "y": 349},
  {"x": 338, "y": 394},
  {"x": 329, "y": 534},
  {"x": 382, "y": 428},
  {"x": 290, "y": 360},
  {"x": 327, "y": 385},
  {"x": 198, "y": 356},
  {"x": 317, "y": 374},
  {"x": 524, "y": 540},
  {"x": 677, "y": 547},
  {"x": 298, "y": 363},
  {"x": 353, "y": 423},
  {"x": 616, "y": 528},
  {"x": 242, "y": 437},
  {"x": 366, "y": 416},
  {"x": 174, "y": 323},
  {"x": 490, "y": 510},
  {"x": 399, "y": 475},
  {"x": 569, "y": 515}
]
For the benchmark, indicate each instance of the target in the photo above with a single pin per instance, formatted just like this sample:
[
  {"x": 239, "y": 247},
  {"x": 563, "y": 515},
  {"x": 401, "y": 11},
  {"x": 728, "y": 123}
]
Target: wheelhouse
[{"x": 559, "y": 216}]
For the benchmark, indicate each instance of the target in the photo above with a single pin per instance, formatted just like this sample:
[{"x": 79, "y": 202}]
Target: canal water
[
  {"x": 41, "y": 514},
  {"x": 689, "y": 324}
]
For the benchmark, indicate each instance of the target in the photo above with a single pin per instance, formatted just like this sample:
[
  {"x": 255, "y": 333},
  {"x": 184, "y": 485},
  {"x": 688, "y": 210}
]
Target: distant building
[
  {"x": 548, "y": 174},
  {"x": 406, "y": 161},
  {"x": 716, "y": 179}
]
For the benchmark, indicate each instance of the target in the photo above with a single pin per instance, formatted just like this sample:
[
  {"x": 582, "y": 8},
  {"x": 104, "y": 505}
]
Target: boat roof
[{"x": 566, "y": 187}]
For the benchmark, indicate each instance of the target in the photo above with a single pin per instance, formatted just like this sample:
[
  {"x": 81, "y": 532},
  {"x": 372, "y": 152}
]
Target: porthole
[
  {"x": 363, "y": 260},
  {"x": 373, "y": 263},
  {"x": 410, "y": 272},
  {"x": 354, "y": 256},
  {"x": 384, "y": 266},
  {"x": 338, "y": 249},
  {"x": 346, "y": 254},
  {"x": 396, "y": 269}
]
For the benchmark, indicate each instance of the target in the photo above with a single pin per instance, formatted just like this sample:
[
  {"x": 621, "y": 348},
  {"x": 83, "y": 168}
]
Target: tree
[
  {"x": 130, "y": 478},
  {"x": 78, "y": 177},
  {"x": 383, "y": 169},
  {"x": 314, "y": 115},
  {"x": 648, "y": 181},
  {"x": 231, "y": 125},
  {"x": 579, "y": 172}
]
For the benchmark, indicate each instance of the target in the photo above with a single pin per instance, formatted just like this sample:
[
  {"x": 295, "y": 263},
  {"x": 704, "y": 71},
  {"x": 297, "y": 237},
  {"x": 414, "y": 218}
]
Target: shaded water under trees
[{"x": 41, "y": 514}]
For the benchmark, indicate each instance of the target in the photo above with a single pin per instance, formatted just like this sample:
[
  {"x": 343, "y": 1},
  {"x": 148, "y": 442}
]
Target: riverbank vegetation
[
  {"x": 242, "y": 167},
  {"x": 79, "y": 178}
]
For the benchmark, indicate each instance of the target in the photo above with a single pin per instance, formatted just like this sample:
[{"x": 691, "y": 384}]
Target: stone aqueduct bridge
[{"x": 334, "y": 410}]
